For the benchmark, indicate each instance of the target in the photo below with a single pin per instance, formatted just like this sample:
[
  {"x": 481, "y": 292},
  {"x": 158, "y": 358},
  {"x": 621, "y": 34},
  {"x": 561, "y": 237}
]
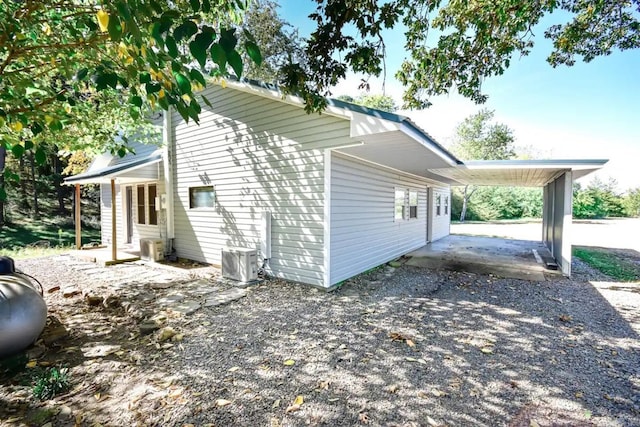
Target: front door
[{"x": 129, "y": 212}]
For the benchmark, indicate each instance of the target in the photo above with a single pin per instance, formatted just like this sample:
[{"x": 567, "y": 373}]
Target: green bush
[{"x": 50, "y": 382}]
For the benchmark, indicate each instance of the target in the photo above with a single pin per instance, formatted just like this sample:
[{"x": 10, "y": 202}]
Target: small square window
[{"x": 201, "y": 197}]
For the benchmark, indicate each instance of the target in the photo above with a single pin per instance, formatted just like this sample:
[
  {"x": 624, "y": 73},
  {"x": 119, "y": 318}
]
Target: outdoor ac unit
[
  {"x": 240, "y": 264},
  {"x": 152, "y": 249}
]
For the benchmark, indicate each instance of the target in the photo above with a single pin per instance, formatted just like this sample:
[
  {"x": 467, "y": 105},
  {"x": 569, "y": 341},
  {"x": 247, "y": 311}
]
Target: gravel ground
[{"x": 395, "y": 347}]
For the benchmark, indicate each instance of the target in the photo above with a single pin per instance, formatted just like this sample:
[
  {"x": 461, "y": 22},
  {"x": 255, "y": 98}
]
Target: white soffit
[{"x": 520, "y": 173}]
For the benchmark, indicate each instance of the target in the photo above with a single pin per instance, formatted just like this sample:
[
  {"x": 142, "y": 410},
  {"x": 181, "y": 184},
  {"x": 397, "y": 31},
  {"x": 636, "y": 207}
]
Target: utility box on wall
[
  {"x": 152, "y": 249},
  {"x": 240, "y": 264}
]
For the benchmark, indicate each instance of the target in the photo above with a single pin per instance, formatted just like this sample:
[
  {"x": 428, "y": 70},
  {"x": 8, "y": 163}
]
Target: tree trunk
[
  {"x": 57, "y": 182},
  {"x": 463, "y": 212},
  {"x": 24, "y": 203},
  {"x": 3, "y": 156},
  {"x": 36, "y": 211}
]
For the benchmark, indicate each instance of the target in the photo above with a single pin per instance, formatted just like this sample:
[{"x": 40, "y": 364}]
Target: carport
[{"x": 556, "y": 177}]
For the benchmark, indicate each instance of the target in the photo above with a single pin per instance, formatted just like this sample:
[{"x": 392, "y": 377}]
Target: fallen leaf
[
  {"x": 323, "y": 385},
  {"x": 486, "y": 350},
  {"x": 533, "y": 423},
  {"x": 289, "y": 362},
  {"x": 393, "y": 388},
  {"x": 223, "y": 402},
  {"x": 97, "y": 396},
  {"x": 299, "y": 400},
  {"x": 432, "y": 422},
  {"x": 438, "y": 393},
  {"x": 276, "y": 404},
  {"x": 579, "y": 395},
  {"x": 422, "y": 394},
  {"x": 292, "y": 408},
  {"x": 410, "y": 343},
  {"x": 234, "y": 369},
  {"x": 297, "y": 403},
  {"x": 32, "y": 364},
  {"x": 565, "y": 318}
]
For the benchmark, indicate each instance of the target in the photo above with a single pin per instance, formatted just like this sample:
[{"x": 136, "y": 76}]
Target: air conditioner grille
[{"x": 240, "y": 264}]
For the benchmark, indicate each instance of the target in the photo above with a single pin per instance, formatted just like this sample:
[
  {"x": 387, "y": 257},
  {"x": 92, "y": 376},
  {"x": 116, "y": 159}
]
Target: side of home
[{"x": 333, "y": 215}]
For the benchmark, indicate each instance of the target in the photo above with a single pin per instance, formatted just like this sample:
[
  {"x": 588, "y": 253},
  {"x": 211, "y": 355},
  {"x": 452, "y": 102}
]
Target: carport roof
[{"x": 520, "y": 173}]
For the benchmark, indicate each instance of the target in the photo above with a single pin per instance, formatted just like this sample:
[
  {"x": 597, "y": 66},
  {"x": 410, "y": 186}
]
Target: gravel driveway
[{"x": 395, "y": 347}]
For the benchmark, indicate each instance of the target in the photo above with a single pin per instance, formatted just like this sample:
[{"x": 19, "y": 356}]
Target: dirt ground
[{"x": 400, "y": 346}]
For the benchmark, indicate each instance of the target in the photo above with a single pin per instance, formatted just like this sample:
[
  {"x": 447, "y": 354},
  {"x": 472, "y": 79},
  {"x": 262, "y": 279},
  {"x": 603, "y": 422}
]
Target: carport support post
[
  {"x": 78, "y": 219},
  {"x": 567, "y": 221},
  {"x": 114, "y": 248}
]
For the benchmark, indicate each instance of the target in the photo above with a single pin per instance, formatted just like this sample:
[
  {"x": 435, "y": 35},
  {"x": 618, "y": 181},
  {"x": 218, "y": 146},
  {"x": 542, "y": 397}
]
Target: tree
[
  {"x": 478, "y": 139},
  {"x": 475, "y": 40},
  {"x": 379, "y": 102},
  {"x": 63, "y": 61},
  {"x": 632, "y": 202},
  {"x": 279, "y": 42},
  {"x": 598, "y": 200}
]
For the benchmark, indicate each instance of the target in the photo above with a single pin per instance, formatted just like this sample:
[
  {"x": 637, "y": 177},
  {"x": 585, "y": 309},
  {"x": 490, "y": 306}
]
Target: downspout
[{"x": 167, "y": 143}]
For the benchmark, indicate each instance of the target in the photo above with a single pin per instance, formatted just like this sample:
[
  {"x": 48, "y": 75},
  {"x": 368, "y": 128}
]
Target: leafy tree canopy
[
  {"x": 473, "y": 39},
  {"x": 379, "y": 102},
  {"x": 477, "y": 138}
]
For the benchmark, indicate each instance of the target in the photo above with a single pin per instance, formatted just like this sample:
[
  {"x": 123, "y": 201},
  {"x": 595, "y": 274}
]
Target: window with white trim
[
  {"x": 146, "y": 204},
  {"x": 438, "y": 204},
  {"x": 400, "y": 204},
  {"x": 201, "y": 197},
  {"x": 446, "y": 205}
]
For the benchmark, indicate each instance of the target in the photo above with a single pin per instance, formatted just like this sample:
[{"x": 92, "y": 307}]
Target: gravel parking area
[{"x": 394, "y": 347}]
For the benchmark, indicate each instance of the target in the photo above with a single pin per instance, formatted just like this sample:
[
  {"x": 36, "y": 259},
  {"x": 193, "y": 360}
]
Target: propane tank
[{"x": 23, "y": 312}]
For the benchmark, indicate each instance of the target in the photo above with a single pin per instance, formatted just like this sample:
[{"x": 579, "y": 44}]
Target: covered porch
[{"x": 105, "y": 170}]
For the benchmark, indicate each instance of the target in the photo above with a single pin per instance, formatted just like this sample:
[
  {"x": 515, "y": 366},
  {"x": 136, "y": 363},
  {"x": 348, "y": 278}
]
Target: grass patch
[
  {"x": 616, "y": 264},
  {"x": 28, "y": 239}
]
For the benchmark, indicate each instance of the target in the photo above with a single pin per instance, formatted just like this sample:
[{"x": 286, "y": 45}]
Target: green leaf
[
  {"x": 195, "y": 5},
  {"x": 199, "y": 46},
  {"x": 206, "y": 6},
  {"x": 56, "y": 125},
  {"x": 3, "y": 194},
  {"x": 36, "y": 128},
  {"x": 218, "y": 56},
  {"x": 228, "y": 40},
  {"x": 41, "y": 156},
  {"x": 17, "y": 150},
  {"x": 197, "y": 76},
  {"x": 156, "y": 33},
  {"x": 115, "y": 28},
  {"x": 172, "y": 47},
  {"x": 145, "y": 78},
  {"x": 235, "y": 60},
  {"x": 253, "y": 51},
  {"x": 124, "y": 11},
  {"x": 183, "y": 84},
  {"x": 28, "y": 144},
  {"x": 185, "y": 30},
  {"x": 82, "y": 73},
  {"x": 153, "y": 87},
  {"x": 136, "y": 100},
  {"x": 206, "y": 101}
]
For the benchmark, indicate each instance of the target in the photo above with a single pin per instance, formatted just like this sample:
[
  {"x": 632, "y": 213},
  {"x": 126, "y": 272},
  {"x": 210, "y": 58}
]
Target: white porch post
[{"x": 114, "y": 233}]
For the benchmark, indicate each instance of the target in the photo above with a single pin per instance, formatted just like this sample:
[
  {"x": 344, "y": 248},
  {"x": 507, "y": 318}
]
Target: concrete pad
[{"x": 483, "y": 255}]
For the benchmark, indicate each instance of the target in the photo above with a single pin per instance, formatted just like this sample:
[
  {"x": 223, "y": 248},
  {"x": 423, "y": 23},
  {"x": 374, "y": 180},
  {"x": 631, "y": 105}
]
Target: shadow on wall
[{"x": 253, "y": 169}]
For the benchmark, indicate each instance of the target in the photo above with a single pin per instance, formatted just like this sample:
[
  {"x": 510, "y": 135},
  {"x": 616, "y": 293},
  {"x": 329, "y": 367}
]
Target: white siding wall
[
  {"x": 440, "y": 224},
  {"x": 364, "y": 233},
  {"x": 260, "y": 155}
]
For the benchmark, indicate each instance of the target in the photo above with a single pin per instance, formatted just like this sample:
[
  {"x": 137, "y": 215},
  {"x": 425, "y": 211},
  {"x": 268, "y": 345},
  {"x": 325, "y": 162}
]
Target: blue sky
[{"x": 585, "y": 111}]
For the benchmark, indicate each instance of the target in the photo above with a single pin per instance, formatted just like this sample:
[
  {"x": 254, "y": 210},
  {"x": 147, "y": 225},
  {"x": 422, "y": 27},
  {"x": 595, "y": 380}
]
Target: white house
[{"x": 345, "y": 190}]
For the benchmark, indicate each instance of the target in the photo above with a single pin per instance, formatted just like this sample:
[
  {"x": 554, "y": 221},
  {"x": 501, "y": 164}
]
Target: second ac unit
[
  {"x": 240, "y": 264},
  {"x": 152, "y": 249}
]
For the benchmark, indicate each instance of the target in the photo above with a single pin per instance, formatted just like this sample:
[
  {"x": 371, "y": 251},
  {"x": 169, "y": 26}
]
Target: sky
[{"x": 588, "y": 111}]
